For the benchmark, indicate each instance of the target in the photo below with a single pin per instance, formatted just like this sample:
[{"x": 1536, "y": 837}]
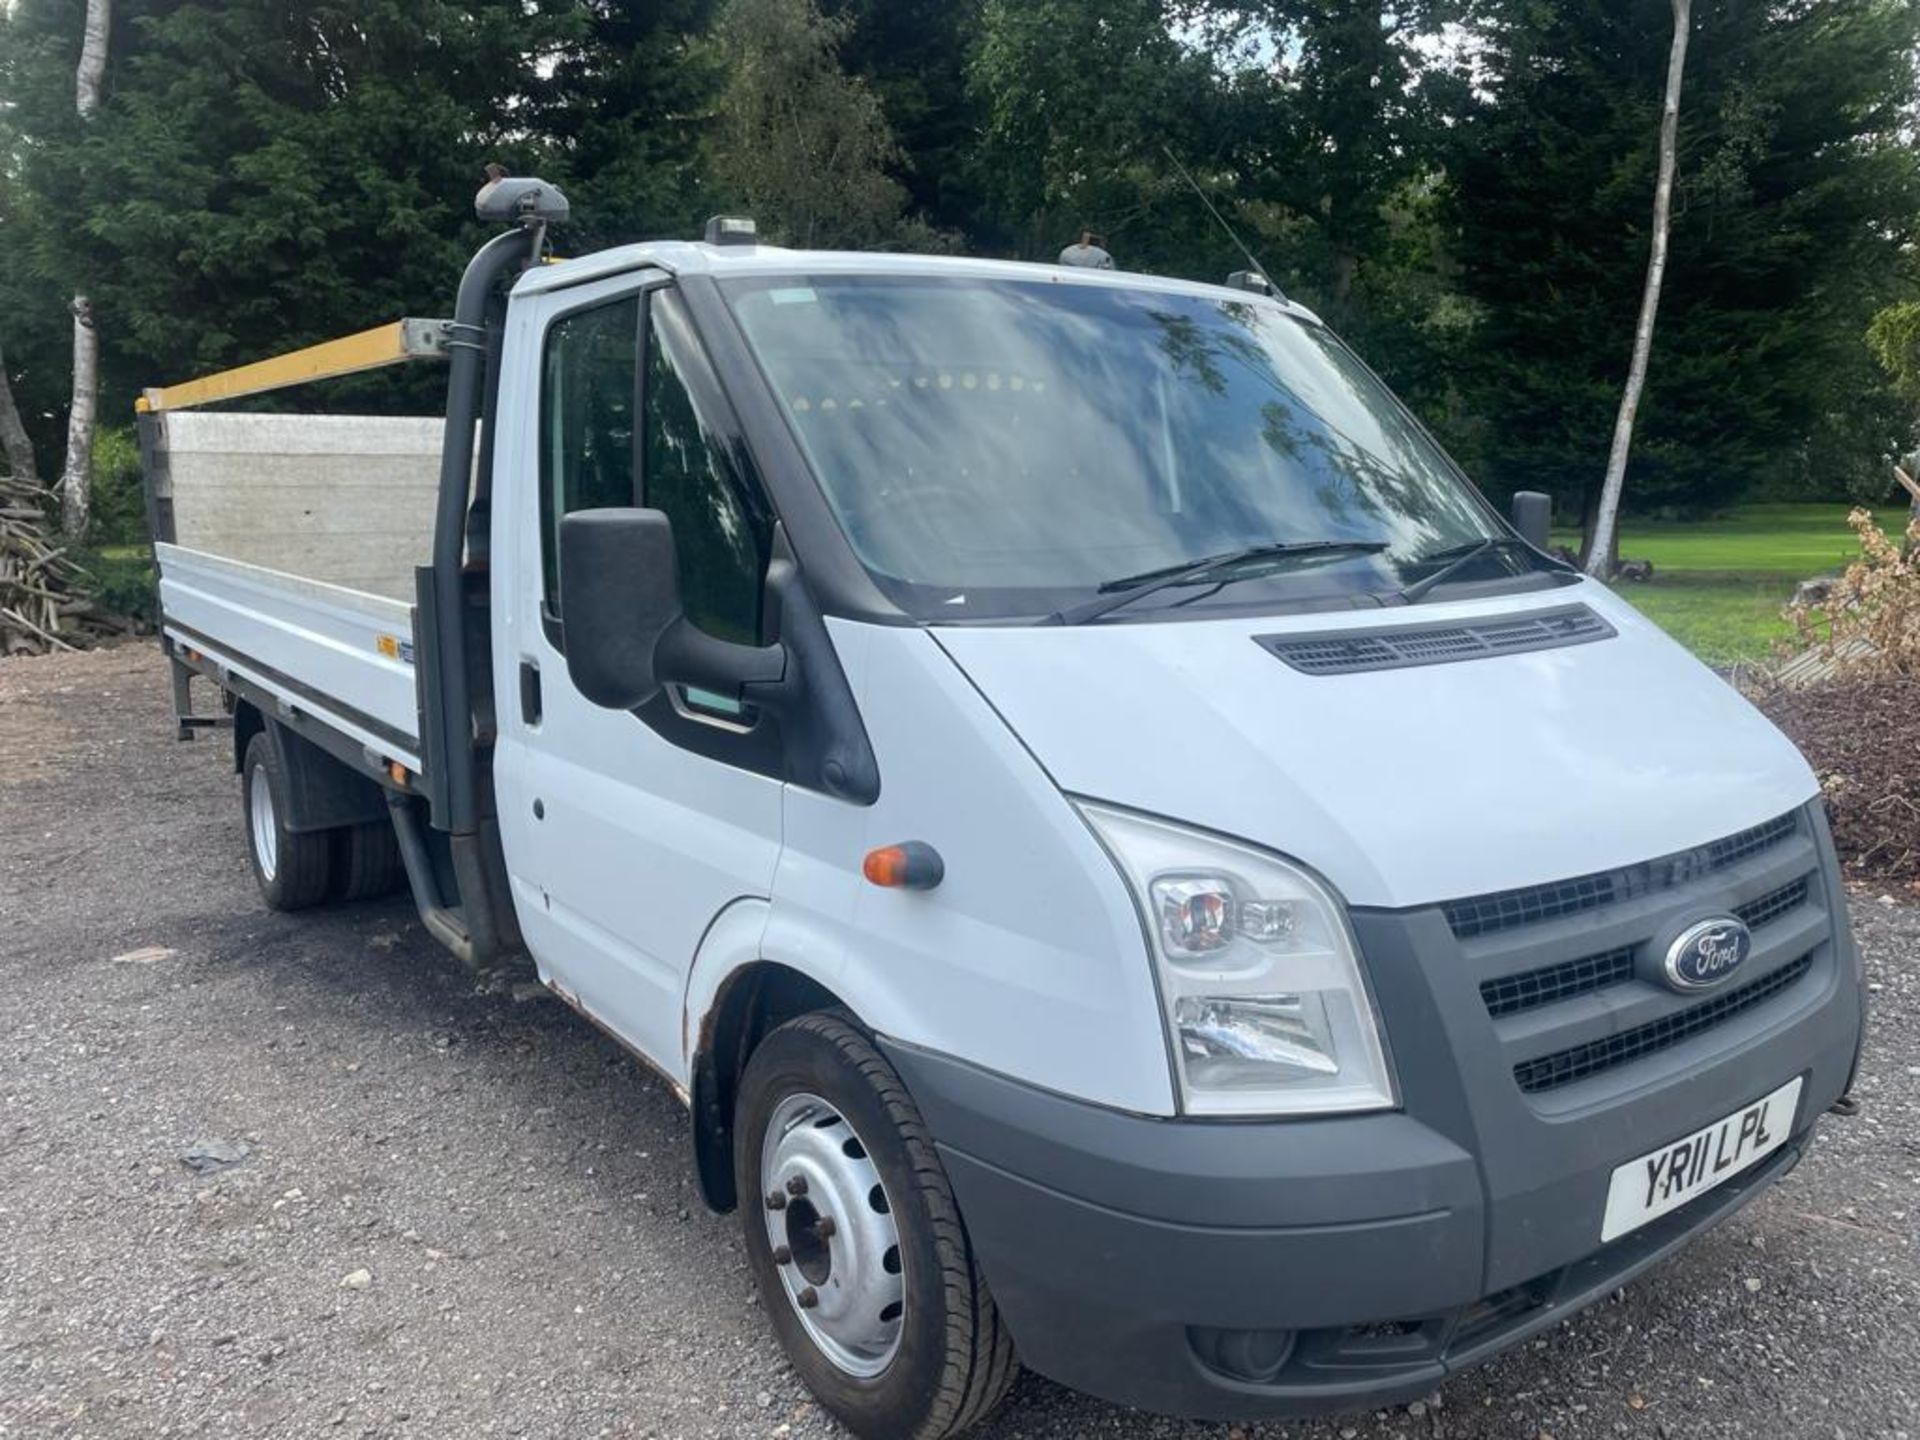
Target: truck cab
[{"x": 1136, "y": 868}]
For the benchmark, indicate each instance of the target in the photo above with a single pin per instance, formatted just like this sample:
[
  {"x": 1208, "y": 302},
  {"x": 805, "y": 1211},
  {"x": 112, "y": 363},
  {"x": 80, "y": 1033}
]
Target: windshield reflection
[{"x": 997, "y": 448}]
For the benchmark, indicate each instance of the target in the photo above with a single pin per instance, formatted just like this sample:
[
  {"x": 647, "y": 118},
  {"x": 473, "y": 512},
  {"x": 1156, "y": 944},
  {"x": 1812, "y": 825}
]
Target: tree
[
  {"x": 1894, "y": 339},
  {"x": 35, "y": 324},
  {"x": 37, "y": 608},
  {"x": 1352, "y": 102},
  {"x": 76, "y": 473},
  {"x": 1793, "y": 197},
  {"x": 1081, "y": 102},
  {"x": 1601, "y": 556},
  {"x": 15, "y": 443},
  {"x": 263, "y": 176},
  {"x": 624, "y": 116},
  {"x": 1459, "y": 186},
  {"x": 1315, "y": 126},
  {"x": 803, "y": 144},
  {"x": 914, "y": 54}
]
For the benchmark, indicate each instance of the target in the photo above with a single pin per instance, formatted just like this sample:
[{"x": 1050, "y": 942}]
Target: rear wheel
[
  {"x": 294, "y": 869},
  {"x": 369, "y": 861},
  {"x": 863, "y": 1264}
]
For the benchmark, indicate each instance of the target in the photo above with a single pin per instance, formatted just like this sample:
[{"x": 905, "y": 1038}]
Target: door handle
[{"x": 529, "y": 692}]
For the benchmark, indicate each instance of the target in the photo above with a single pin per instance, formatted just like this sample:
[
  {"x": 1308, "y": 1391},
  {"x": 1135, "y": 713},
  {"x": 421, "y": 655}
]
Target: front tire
[
  {"x": 855, "y": 1240},
  {"x": 293, "y": 869}
]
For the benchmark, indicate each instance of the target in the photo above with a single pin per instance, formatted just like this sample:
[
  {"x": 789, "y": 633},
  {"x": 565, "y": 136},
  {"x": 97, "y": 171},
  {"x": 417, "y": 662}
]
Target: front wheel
[{"x": 851, "y": 1228}]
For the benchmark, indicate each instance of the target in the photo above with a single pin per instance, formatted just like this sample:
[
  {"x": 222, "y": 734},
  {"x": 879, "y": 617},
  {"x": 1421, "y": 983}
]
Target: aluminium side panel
[{"x": 342, "y": 656}]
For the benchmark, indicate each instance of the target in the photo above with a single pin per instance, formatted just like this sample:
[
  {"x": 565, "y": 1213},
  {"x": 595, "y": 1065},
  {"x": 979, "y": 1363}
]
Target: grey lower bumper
[{"x": 1241, "y": 1271}]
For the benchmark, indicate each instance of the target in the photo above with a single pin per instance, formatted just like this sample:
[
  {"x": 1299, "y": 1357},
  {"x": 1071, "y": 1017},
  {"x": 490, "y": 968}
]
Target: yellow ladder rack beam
[{"x": 390, "y": 344}]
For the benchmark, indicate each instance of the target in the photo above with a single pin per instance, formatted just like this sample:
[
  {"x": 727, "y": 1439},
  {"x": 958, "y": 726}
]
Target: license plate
[{"x": 1667, "y": 1178}]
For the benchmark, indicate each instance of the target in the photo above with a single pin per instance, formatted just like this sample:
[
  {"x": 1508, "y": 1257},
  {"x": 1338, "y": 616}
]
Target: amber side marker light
[{"x": 912, "y": 865}]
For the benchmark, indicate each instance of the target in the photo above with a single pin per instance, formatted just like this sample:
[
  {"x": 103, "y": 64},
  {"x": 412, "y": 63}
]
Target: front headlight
[{"x": 1267, "y": 1007}]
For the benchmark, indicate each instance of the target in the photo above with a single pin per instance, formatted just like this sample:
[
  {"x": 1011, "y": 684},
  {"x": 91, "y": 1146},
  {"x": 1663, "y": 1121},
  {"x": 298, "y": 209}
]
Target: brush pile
[
  {"x": 43, "y": 604},
  {"x": 1862, "y": 738}
]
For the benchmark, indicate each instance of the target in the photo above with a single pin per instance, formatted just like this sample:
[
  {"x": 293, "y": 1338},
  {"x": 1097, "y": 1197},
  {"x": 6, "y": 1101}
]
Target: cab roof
[{"x": 689, "y": 257}]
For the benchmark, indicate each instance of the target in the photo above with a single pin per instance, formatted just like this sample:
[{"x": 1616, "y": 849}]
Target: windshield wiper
[
  {"x": 1113, "y": 594},
  {"x": 1458, "y": 557}
]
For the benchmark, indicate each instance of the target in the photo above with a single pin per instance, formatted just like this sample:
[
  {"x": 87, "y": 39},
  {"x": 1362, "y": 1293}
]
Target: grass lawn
[{"x": 1718, "y": 584}]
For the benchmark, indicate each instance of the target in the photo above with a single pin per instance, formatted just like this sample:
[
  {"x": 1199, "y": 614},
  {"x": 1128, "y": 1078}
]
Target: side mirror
[
  {"x": 619, "y": 593},
  {"x": 627, "y": 633},
  {"x": 1532, "y": 514}
]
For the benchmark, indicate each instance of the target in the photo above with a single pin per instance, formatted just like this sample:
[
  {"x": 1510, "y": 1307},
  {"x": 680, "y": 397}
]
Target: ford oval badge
[{"x": 1706, "y": 953}]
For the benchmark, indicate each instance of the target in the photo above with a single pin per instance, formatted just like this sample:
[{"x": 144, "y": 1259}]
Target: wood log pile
[{"x": 43, "y": 604}]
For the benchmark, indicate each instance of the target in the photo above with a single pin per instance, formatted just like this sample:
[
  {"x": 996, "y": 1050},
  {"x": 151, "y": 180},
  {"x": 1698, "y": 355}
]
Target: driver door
[{"x": 626, "y": 833}]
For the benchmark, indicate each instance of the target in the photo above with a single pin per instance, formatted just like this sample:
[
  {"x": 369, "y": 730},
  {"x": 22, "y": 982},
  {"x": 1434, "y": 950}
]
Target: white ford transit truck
[{"x": 1135, "y": 868}]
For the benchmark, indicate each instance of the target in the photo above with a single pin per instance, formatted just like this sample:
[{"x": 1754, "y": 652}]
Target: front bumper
[
  {"x": 1246, "y": 1269},
  {"x": 1153, "y": 1263}
]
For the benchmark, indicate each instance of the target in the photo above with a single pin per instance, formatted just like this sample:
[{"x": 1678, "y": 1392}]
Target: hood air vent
[{"x": 1350, "y": 652}]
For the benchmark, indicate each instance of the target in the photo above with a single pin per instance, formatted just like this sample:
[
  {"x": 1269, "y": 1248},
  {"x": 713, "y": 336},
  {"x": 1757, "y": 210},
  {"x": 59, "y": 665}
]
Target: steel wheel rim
[
  {"x": 843, "y": 1279},
  {"x": 266, "y": 838}
]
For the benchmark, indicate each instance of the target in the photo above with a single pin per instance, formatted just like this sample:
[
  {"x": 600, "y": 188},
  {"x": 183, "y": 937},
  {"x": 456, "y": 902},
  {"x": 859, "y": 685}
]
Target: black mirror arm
[{"x": 689, "y": 655}]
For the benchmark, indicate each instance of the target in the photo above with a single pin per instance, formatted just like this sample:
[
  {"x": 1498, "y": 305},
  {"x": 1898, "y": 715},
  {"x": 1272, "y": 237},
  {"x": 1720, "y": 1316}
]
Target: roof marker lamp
[
  {"x": 731, "y": 230},
  {"x": 1266, "y": 999}
]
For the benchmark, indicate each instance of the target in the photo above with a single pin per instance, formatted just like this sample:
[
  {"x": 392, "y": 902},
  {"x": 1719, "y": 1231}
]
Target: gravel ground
[{"x": 458, "y": 1215}]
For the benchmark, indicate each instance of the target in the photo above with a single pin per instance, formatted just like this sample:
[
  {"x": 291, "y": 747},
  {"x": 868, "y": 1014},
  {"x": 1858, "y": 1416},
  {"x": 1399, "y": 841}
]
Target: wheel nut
[
  {"x": 782, "y": 1255},
  {"x": 825, "y": 1227},
  {"x": 776, "y": 1201},
  {"x": 808, "y": 1298},
  {"x": 797, "y": 1185}
]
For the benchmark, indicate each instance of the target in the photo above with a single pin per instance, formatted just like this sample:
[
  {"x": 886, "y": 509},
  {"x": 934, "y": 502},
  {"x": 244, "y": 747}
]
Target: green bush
[
  {"x": 121, "y": 580},
  {"x": 119, "y": 500}
]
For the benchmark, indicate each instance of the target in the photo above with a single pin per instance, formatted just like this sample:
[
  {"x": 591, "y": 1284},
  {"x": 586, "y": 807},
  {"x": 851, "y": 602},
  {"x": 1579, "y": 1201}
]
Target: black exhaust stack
[{"x": 456, "y": 721}]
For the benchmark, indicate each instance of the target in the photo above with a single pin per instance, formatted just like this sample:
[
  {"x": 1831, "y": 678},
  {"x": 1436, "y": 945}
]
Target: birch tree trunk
[
  {"x": 76, "y": 475},
  {"x": 1606, "y": 523},
  {"x": 15, "y": 443}
]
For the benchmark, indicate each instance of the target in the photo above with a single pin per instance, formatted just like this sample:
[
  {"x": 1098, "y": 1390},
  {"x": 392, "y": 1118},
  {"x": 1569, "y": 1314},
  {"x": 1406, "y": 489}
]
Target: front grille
[
  {"x": 1564, "y": 1067},
  {"x": 1546, "y": 984},
  {"x": 1512, "y": 993},
  {"x": 1735, "y": 848},
  {"x": 1773, "y": 904},
  {"x": 1353, "y": 652},
  {"x": 1486, "y": 914}
]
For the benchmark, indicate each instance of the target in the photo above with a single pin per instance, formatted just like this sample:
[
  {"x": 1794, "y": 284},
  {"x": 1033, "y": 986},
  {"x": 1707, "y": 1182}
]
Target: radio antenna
[{"x": 1221, "y": 221}]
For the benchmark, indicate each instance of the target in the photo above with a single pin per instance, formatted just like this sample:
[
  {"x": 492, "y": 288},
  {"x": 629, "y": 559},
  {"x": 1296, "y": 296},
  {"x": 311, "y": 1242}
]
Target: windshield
[{"x": 1003, "y": 448}]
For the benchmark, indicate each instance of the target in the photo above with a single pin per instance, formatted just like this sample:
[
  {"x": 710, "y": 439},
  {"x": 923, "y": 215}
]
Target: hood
[{"x": 1403, "y": 786}]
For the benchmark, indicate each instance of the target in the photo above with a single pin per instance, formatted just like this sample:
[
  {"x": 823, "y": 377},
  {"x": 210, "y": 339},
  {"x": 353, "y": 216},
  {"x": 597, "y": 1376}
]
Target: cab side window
[
  {"x": 588, "y": 399},
  {"x": 698, "y": 473}
]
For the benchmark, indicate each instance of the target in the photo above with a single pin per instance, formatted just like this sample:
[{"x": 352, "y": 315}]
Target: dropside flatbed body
[{"x": 340, "y": 656}]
